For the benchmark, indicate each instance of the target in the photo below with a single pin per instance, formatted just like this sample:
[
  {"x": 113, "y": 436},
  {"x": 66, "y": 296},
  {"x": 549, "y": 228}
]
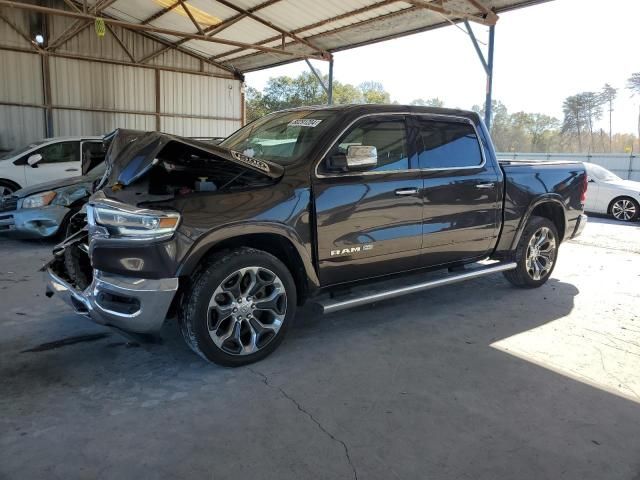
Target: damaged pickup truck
[{"x": 313, "y": 203}]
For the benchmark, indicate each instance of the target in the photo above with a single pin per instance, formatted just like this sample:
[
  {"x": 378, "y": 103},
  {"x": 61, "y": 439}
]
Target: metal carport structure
[{"x": 228, "y": 38}]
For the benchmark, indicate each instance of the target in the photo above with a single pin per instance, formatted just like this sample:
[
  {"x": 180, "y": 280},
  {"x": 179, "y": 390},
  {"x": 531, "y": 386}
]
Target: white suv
[{"x": 44, "y": 161}]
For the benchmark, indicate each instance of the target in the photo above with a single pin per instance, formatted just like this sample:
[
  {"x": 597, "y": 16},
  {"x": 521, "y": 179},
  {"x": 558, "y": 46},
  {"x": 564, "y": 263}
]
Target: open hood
[{"x": 133, "y": 153}]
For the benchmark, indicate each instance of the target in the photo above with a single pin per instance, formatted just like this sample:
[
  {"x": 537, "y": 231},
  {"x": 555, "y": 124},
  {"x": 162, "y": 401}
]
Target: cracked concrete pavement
[{"x": 477, "y": 380}]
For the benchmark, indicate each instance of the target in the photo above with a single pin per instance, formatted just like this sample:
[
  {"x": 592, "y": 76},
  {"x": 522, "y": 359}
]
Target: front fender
[{"x": 229, "y": 232}]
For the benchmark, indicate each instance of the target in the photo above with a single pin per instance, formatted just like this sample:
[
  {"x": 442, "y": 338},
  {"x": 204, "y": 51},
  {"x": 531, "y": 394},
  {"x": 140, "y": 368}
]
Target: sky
[{"x": 543, "y": 54}]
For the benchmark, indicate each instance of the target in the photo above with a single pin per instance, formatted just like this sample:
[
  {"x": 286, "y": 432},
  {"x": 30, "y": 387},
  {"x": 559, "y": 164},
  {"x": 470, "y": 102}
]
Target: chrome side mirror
[
  {"x": 361, "y": 157},
  {"x": 34, "y": 159}
]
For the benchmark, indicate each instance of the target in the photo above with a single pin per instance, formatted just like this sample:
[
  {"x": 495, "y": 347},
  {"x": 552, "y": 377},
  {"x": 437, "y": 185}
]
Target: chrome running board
[{"x": 331, "y": 305}]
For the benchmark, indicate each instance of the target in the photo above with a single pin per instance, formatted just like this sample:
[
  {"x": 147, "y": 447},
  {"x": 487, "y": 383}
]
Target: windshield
[
  {"x": 602, "y": 174},
  {"x": 282, "y": 138},
  {"x": 19, "y": 151}
]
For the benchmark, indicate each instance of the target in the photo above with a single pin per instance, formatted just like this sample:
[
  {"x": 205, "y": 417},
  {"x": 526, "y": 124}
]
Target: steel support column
[
  {"x": 328, "y": 89},
  {"x": 488, "y": 106},
  {"x": 487, "y": 64},
  {"x": 46, "y": 95}
]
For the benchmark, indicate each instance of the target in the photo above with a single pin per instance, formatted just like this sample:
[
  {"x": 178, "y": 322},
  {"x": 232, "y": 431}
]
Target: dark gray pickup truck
[{"x": 322, "y": 204}]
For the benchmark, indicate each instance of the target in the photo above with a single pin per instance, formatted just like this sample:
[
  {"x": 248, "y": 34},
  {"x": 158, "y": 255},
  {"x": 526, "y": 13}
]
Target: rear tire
[
  {"x": 238, "y": 307},
  {"x": 536, "y": 254},
  {"x": 625, "y": 209}
]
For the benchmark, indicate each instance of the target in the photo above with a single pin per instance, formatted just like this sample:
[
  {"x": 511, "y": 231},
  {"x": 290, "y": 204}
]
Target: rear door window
[{"x": 445, "y": 145}]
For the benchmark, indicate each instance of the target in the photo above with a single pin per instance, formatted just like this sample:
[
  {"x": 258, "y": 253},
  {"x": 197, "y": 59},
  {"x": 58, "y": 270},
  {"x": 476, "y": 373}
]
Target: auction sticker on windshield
[{"x": 304, "y": 122}]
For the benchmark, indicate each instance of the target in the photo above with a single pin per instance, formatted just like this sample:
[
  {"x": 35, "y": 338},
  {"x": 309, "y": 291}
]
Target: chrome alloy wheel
[
  {"x": 246, "y": 310},
  {"x": 541, "y": 253},
  {"x": 623, "y": 209}
]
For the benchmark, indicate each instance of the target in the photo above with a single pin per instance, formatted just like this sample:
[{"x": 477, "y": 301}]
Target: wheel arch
[
  {"x": 11, "y": 182},
  {"x": 272, "y": 239},
  {"x": 550, "y": 207}
]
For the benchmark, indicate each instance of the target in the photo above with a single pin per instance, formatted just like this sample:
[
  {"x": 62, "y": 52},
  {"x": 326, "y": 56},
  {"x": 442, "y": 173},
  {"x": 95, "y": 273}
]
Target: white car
[
  {"x": 611, "y": 195},
  {"x": 44, "y": 161}
]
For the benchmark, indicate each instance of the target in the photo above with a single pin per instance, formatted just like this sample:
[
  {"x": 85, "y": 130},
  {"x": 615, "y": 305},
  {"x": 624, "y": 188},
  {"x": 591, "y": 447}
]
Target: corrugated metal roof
[{"x": 300, "y": 28}]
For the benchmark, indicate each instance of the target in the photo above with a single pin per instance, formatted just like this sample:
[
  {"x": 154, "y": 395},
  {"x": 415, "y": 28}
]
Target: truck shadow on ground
[{"x": 478, "y": 312}]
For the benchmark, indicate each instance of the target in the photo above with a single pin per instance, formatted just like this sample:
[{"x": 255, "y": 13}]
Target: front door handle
[
  {"x": 485, "y": 186},
  {"x": 71, "y": 170},
  {"x": 401, "y": 192}
]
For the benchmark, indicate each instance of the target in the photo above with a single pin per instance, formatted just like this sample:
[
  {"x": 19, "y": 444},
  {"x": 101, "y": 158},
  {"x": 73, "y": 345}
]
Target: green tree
[
  {"x": 609, "y": 94},
  {"x": 345, "y": 93},
  {"x": 633, "y": 84},
  {"x": 287, "y": 92},
  {"x": 574, "y": 121},
  {"x": 536, "y": 130},
  {"x": 374, "y": 92},
  {"x": 431, "y": 102},
  {"x": 592, "y": 102},
  {"x": 254, "y": 103}
]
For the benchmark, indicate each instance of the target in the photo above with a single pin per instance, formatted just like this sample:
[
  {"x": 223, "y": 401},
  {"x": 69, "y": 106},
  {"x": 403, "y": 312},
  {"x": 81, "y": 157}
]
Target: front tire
[
  {"x": 8, "y": 188},
  {"x": 238, "y": 307},
  {"x": 535, "y": 255},
  {"x": 625, "y": 209}
]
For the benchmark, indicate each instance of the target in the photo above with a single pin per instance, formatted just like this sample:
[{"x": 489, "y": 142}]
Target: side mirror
[
  {"x": 33, "y": 160},
  {"x": 360, "y": 157},
  {"x": 590, "y": 180}
]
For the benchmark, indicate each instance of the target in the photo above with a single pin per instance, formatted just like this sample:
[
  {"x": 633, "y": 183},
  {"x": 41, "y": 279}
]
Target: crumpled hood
[{"x": 132, "y": 153}]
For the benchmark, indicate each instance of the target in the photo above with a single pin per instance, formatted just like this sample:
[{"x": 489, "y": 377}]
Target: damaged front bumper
[
  {"x": 128, "y": 304},
  {"x": 33, "y": 223}
]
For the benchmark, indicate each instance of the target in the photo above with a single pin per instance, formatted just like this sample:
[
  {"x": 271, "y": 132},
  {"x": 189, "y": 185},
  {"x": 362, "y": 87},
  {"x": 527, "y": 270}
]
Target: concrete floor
[{"x": 477, "y": 381}]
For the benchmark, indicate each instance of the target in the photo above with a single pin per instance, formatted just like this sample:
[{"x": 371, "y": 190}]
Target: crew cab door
[
  {"x": 368, "y": 223},
  {"x": 461, "y": 191},
  {"x": 59, "y": 160}
]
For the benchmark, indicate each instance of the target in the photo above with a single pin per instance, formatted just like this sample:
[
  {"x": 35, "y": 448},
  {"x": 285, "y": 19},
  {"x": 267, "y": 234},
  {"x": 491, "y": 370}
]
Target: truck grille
[{"x": 8, "y": 204}]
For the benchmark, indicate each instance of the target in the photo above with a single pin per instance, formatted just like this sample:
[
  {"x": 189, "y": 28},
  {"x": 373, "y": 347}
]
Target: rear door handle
[
  {"x": 402, "y": 192},
  {"x": 485, "y": 186}
]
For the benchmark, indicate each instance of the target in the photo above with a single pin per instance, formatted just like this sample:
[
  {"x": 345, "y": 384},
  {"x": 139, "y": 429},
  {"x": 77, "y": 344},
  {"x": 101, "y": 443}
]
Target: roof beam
[
  {"x": 73, "y": 6},
  {"x": 150, "y": 28},
  {"x": 73, "y": 56},
  {"x": 358, "y": 11},
  {"x": 17, "y": 29},
  {"x": 159, "y": 13},
  {"x": 214, "y": 29},
  {"x": 191, "y": 17},
  {"x": 292, "y": 35},
  {"x": 438, "y": 8},
  {"x": 121, "y": 43},
  {"x": 79, "y": 25},
  {"x": 489, "y": 14}
]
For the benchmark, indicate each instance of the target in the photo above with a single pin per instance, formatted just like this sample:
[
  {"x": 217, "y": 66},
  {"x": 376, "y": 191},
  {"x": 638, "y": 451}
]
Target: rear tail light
[{"x": 585, "y": 185}]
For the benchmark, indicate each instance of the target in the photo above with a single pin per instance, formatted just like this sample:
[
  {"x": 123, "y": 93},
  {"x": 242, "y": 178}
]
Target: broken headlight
[{"x": 110, "y": 221}]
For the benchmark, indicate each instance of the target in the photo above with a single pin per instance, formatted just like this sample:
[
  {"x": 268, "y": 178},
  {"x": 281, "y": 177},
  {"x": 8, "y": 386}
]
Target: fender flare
[
  {"x": 546, "y": 198},
  {"x": 236, "y": 230}
]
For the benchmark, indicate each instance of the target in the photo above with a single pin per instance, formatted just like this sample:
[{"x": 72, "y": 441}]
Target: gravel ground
[{"x": 476, "y": 380}]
